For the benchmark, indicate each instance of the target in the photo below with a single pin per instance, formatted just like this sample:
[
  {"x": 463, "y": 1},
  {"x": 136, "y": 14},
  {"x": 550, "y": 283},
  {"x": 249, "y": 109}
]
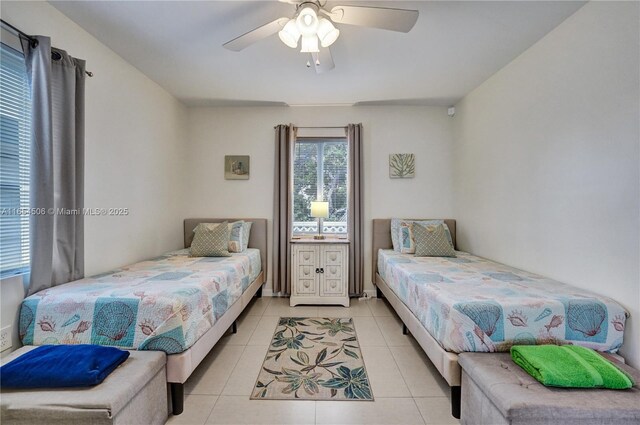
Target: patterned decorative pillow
[
  {"x": 395, "y": 226},
  {"x": 236, "y": 236},
  {"x": 210, "y": 240},
  {"x": 245, "y": 234},
  {"x": 402, "y": 233},
  {"x": 431, "y": 241}
]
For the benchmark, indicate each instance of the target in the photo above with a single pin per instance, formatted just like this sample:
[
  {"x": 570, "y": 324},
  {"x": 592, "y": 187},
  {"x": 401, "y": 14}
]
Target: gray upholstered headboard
[
  {"x": 382, "y": 238},
  {"x": 257, "y": 237}
]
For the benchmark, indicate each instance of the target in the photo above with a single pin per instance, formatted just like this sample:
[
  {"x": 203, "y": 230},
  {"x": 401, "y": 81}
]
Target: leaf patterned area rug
[{"x": 313, "y": 359}]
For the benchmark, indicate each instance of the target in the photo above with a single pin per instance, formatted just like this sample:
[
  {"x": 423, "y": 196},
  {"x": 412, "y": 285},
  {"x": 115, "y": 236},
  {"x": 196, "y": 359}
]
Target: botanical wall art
[
  {"x": 236, "y": 167},
  {"x": 402, "y": 166}
]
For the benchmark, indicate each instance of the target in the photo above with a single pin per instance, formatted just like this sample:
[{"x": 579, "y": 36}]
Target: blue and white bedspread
[
  {"x": 163, "y": 304},
  {"x": 472, "y": 304}
]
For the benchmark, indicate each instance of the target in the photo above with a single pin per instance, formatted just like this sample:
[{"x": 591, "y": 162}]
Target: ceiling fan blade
[
  {"x": 401, "y": 20},
  {"x": 322, "y": 61},
  {"x": 255, "y": 35}
]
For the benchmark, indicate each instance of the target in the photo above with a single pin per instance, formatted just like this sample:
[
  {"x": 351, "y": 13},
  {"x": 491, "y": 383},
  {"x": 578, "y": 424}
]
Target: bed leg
[
  {"x": 455, "y": 402},
  {"x": 177, "y": 397},
  {"x": 379, "y": 293},
  {"x": 259, "y": 292},
  {"x": 405, "y": 329},
  {"x": 234, "y": 327}
]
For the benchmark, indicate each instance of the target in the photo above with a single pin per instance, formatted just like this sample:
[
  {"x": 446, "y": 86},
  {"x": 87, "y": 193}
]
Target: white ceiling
[{"x": 453, "y": 48}]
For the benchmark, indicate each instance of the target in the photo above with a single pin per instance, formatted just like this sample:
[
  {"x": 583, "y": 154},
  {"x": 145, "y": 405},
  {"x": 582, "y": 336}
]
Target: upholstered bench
[
  {"x": 134, "y": 393},
  {"x": 495, "y": 391}
]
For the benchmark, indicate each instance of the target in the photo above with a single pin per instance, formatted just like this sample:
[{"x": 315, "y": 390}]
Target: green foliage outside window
[{"x": 329, "y": 156}]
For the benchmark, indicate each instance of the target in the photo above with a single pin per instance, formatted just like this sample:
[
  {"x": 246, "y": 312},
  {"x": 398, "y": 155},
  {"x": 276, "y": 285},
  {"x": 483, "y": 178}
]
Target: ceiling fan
[{"x": 313, "y": 25}]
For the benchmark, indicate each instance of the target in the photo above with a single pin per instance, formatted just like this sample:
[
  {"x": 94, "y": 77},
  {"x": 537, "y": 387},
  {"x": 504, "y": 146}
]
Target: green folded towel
[{"x": 569, "y": 366}]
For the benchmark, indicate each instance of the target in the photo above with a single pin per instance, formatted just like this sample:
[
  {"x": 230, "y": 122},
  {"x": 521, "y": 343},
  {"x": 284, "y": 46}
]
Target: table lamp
[{"x": 320, "y": 210}]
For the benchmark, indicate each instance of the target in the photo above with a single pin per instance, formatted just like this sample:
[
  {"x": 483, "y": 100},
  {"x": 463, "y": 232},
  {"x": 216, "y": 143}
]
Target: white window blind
[
  {"x": 15, "y": 133},
  {"x": 320, "y": 172}
]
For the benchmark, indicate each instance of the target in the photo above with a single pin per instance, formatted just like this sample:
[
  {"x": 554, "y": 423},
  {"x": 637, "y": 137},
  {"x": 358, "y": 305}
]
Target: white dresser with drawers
[{"x": 320, "y": 271}]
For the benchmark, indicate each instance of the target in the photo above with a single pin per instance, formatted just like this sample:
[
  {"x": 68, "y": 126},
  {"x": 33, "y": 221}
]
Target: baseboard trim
[
  {"x": 371, "y": 293},
  {"x": 268, "y": 292}
]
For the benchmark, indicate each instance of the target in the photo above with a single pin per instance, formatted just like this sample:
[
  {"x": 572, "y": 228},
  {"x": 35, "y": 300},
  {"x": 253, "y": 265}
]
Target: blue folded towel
[{"x": 54, "y": 366}]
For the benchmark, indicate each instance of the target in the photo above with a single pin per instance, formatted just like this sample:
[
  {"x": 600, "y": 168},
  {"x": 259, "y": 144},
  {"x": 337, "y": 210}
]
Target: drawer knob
[
  {"x": 306, "y": 256},
  {"x": 305, "y": 270},
  {"x": 333, "y": 285},
  {"x": 333, "y": 257},
  {"x": 306, "y": 284}
]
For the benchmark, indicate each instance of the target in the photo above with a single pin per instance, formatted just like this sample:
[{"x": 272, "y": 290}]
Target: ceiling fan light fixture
[
  {"x": 327, "y": 33},
  {"x": 309, "y": 44},
  {"x": 307, "y": 21},
  {"x": 290, "y": 34}
]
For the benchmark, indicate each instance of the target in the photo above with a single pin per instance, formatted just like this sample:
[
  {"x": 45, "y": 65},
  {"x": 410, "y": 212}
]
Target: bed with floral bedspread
[
  {"x": 165, "y": 304},
  {"x": 468, "y": 303}
]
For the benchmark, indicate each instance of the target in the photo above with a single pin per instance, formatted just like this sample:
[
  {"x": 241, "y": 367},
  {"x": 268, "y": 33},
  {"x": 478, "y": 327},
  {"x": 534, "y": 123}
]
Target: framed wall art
[
  {"x": 236, "y": 167},
  {"x": 402, "y": 166}
]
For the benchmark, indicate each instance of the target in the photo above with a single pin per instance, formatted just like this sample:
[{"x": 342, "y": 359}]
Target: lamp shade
[
  {"x": 307, "y": 21},
  {"x": 327, "y": 33},
  {"x": 319, "y": 209},
  {"x": 290, "y": 34}
]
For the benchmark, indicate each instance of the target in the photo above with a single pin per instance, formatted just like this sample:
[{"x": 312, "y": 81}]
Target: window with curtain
[
  {"x": 320, "y": 172},
  {"x": 15, "y": 131}
]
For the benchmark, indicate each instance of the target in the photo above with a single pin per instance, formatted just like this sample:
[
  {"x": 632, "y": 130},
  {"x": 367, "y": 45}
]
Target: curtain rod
[
  {"x": 32, "y": 40},
  {"x": 343, "y": 126}
]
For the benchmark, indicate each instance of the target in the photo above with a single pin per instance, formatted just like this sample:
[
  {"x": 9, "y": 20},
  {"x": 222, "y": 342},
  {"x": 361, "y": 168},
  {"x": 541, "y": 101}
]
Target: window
[
  {"x": 15, "y": 133},
  {"x": 320, "y": 172}
]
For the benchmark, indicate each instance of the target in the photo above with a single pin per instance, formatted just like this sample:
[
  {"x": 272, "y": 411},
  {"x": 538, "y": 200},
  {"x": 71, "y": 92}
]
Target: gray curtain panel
[
  {"x": 57, "y": 164},
  {"x": 356, "y": 210},
  {"x": 281, "y": 274}
]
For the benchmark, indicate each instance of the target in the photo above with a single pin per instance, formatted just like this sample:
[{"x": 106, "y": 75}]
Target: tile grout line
[
  {"x": 424, "y": 420},
  {"x": 211, "y": 411},
  {"x": 386, "y": 342},
  {"x": 395, "y": 362},
  {"x": 244, "y": 348}
]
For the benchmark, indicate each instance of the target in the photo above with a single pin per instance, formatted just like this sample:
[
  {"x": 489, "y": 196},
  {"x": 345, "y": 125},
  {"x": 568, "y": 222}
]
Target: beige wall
[
  {"x": 135, "y": 134},
  {"x": 424, "y": 131},
  {"x": 547, "y": 159}
]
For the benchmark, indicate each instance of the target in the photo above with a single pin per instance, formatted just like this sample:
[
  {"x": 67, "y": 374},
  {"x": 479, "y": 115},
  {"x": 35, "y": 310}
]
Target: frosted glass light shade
[
  {"x": 307, "y": 21},
  {"x": 327, "y": 33},
  {"x": 320, "y": 209},
  {"x": 309, "y": 44},
  {"x": 290, "y": 34}
]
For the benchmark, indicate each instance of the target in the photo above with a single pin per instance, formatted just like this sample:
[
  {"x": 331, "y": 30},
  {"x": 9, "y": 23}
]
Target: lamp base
[{"x": 318, "y": 237}]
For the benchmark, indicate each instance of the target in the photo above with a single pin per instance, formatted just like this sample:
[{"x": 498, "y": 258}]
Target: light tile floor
[{"x": 407, "y": 387}]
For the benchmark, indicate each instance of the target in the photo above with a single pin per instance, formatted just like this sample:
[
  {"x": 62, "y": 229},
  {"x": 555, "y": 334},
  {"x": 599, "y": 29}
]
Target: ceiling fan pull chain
[{"x": 308, "y": 64}]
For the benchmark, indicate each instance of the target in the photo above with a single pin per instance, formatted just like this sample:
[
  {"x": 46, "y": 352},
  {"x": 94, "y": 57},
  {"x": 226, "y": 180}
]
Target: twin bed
[
  {"x": 174, "y": 303},
  {"x": 470, "y": 304}
]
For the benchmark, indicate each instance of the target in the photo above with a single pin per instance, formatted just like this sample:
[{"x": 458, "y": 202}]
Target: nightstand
[{"x": 320, "y": 271}]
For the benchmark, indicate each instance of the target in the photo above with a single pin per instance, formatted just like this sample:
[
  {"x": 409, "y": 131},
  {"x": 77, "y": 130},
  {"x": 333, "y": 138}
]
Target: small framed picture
[
  {"x": 402, "y": 166},
  {"x": 236, "y": 167}
]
